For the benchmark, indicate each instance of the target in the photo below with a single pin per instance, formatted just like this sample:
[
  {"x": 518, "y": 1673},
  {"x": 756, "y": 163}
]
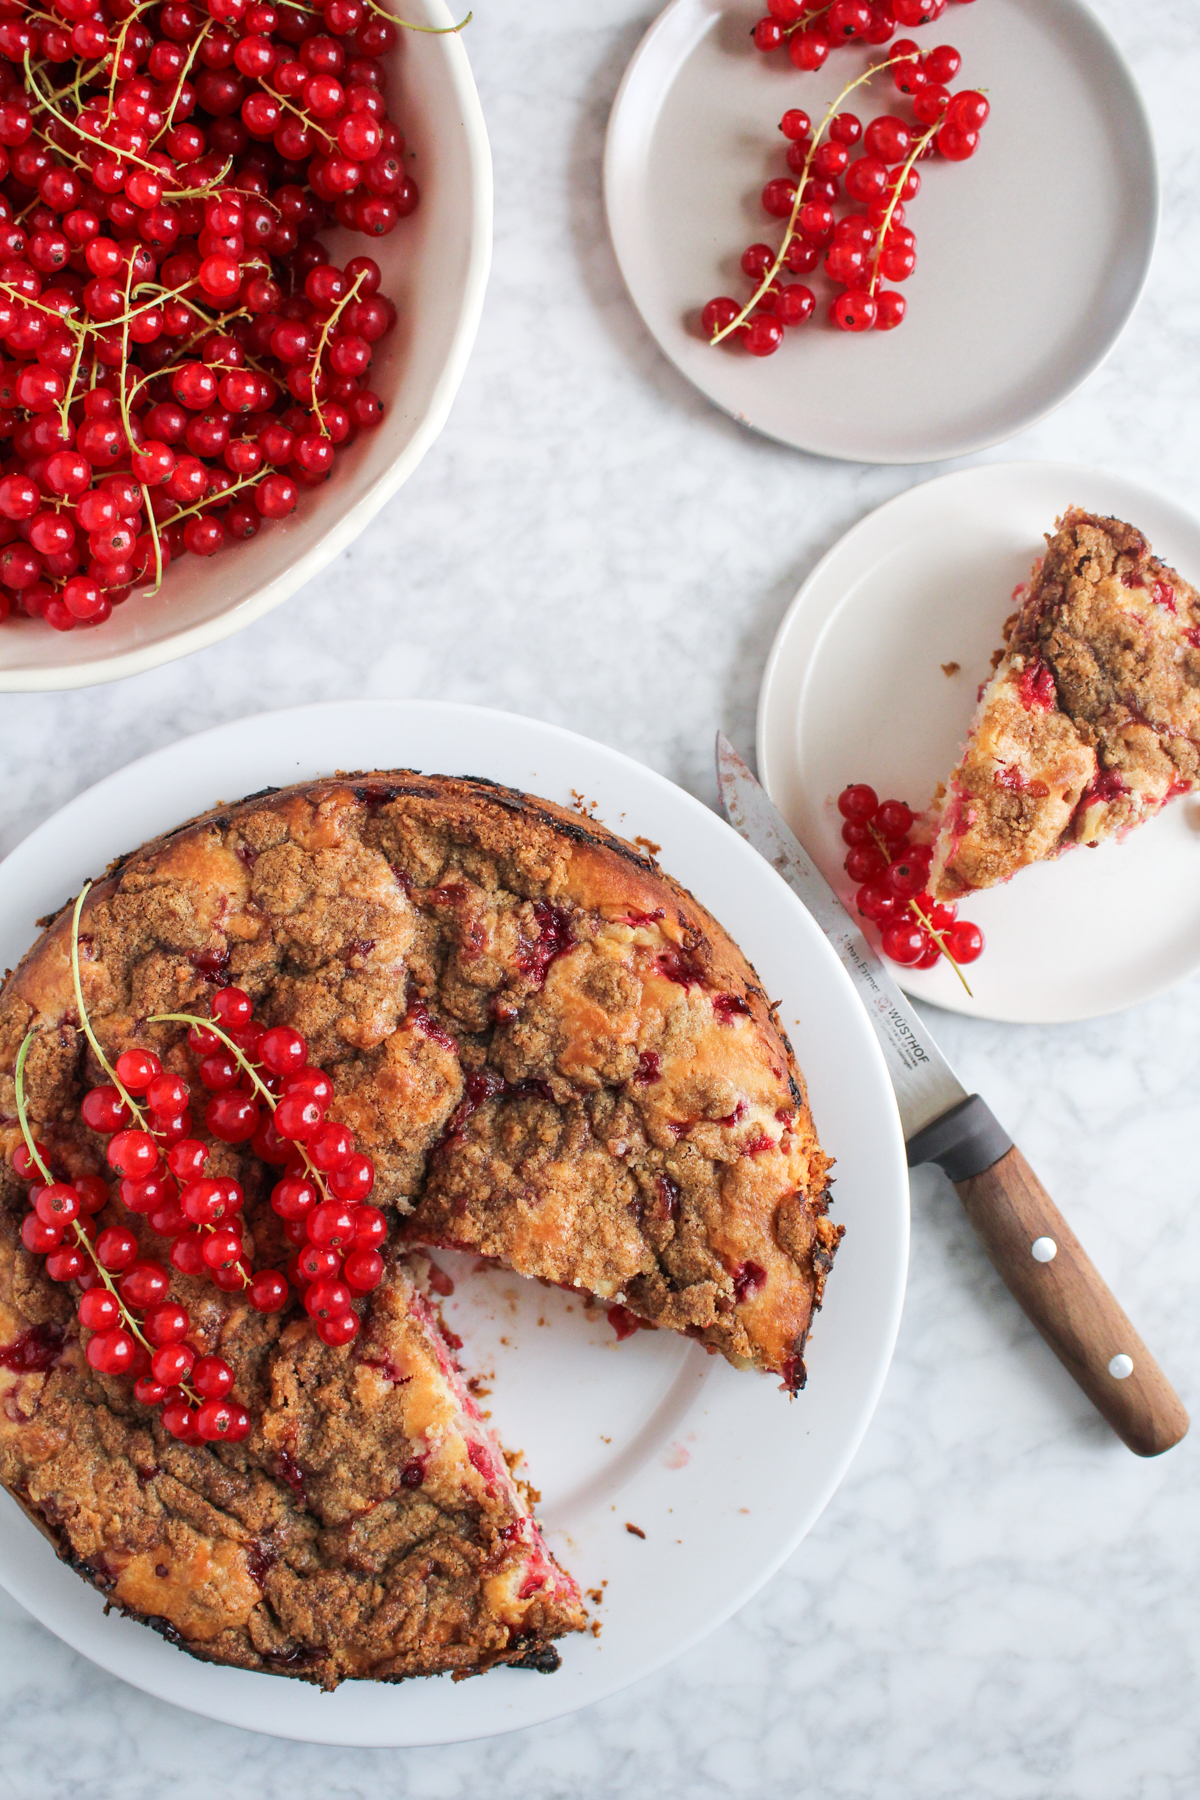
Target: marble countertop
[{"x": 1000, "y": 1601}]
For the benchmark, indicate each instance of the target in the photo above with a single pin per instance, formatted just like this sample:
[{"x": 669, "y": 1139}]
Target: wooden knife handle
[{"x": 1052, "y": 1278}]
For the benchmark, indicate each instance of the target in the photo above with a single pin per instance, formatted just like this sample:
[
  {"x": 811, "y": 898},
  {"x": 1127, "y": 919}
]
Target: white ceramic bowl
[{"x": 435, "y": 268}]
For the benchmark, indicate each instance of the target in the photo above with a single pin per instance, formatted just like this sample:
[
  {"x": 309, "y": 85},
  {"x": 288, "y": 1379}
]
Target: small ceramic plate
[
  {"x": 860, "y": 685},
  {"x": 719, "y": 1471},
  {"x": 1031, "y": 256}
]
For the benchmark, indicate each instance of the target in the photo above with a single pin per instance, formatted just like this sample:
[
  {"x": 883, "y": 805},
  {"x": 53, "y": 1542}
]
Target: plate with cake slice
[
  {"x": 542, "y": 1032},
  {"x": 1013, "y": 651}
]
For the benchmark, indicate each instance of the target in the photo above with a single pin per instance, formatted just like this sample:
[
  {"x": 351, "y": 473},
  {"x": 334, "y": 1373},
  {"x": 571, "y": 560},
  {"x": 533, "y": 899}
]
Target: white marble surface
[{"x": 1000, "y": 1602}]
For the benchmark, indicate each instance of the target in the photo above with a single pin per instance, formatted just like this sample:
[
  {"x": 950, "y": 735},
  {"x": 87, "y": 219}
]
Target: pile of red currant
[
  {"x": 891, "y": 873},
  {"x": 808, "y": 33},
  {"x": 182, "y": 355},
  {"x": 263, "y": 1093},
  {"x": 870, "y": 243}
]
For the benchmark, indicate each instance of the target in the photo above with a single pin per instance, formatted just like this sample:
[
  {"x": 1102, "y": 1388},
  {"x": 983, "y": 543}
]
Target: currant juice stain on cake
[{"x": 548, "y": 1054}]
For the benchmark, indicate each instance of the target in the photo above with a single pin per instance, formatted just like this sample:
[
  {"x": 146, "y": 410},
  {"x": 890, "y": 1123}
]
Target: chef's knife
[{"x": 1033, "y": 1248}]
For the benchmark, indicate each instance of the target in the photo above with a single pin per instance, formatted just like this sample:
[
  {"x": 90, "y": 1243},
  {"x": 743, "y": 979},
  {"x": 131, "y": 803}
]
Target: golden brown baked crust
[
  {"x": 1091, "y": 722},
  {"x": 553, "y": 1055}
]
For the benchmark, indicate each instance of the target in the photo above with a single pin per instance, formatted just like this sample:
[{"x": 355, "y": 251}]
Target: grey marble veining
[{"x": 1000, "y": 1603}]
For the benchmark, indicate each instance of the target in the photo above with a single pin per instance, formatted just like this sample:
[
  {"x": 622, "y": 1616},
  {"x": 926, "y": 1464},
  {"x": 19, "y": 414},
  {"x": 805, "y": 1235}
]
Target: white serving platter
[{"x": 720, "y": 1471}]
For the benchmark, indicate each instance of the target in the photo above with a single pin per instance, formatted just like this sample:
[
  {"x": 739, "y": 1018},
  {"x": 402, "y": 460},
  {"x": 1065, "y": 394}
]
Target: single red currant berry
[
  {"x": 858, "y": 802},
  {"x": 145, "y": 1284},
  {"x": 315, "y": 1264},
  {"x": 223, "y": 1247},
  {"x": 890, "y": 308},
  {"x": 794, "y": 304},
  {"x": 363, "y": 1270},
  {"x": 353, "y": 1181},
  {"x": 331, "y": 1226},
  {"x": 847, "y": 19},
  {"x": 964, "y": 941},
  {"x": 110, "y": 1352},
  {"x": 92, "y": 1191},
  {"x": 220, "y": 1071},
  {"x": 332, "y": 1146},
  {"x": 294, "y": 1197},
  {"x": 149, "y": 1391},
  {"x": 932, "y": 954},
  {"x": 779, "y": 197},
  {"x": 894, "y": 818},
  {"x": 327, "y": 1298},
  {"x": 768, "y": 35},
  {"x": 166, "y": 1323},
  {"x": 370, "y": 1228},
  {"x": 297, "y": 1117},
  {"x": 116, "y": 1248},
  {"x": 99, "y": 1310},
  {"x": 232, "y": 1117},
  {"x": 845, "y": 128},
  {"x": 167, "y": 1095},
  {"x": 282, "y": 1050},
  {"x": 104, "y": 1110},
  {"x": 212, "y": 1377},
  {"x": 133, "y": 1153},
  {"x": 956, "y": 145},
  {"x": 187, "y": 1253},
  {"x": 867, "y": 863},
  {"x": 187, "y": 1158},
  {"x": 942, "y": 63},
  {"x": 904, "y": 941},
  {"x": 232, "y": 1008},
  {"x": 341, "y": 1329},
  {"x": 314, "y": 1084},
  {"x": 137, "y": 1068},
  {"x": 38, "y": 1237},
  {"x": 905, "y": 877},
  {"x": 213, "y": 1420},
  {"x": 874, "y": 903},
  {"x": 57, "y": 1204},
  {"x": 809, "y": 49},
  {"x": 179, "y": 1419},
  {"x": 268, "y": 1291},
  {"x": 763, "y": 335},
  {"x": 968, "y": 111},
  {"x": 172, "y": 1363},
  {"x": 203, "y": 1041},
  {"x": 796, "y": 125},
  {"x": 66, "y": 1263},
  {"x": 718, "y": 314}
]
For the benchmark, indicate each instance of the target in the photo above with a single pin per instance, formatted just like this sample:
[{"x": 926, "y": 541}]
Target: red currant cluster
[
  {"x": 809, "y": 33},
  {"x": 869, "y": 244},
  {"x": 266, "y": 1093},
  {"x": 137, "y": 1329},
  {"x": 182, "y": 354},
  {"x": 890, "y": 873}
]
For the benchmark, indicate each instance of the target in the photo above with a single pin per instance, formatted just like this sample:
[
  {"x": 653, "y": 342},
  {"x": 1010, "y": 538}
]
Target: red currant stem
[
  {"x": 328, "y": 326},
  {"x": 304, "y": 117},
  {"x": 940, "y": 941},
  {"x": 158, "y": 562},
  {"x": 118, "y": 49},
  {"x": 82, "y": 1240},
  {"x": 19, "y": 1083},
  {"x": 183, "y": 75},
  {"x": 188, "y": 512},
  {"x": 250, "y": 1069},
  {"x": 86, "y": 1023},
  {"x": 789, "y": 234},
  {"x": 897, "y": 186},
  {"x": 36, "y": 93},
  {"x": 123, "y": 395},
  {"x": 64, "y": 408},
  {"x": 802, "y": 23}
]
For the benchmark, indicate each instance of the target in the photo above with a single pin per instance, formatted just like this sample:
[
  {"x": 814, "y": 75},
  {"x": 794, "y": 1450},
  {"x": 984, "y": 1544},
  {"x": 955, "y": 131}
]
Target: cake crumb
[
  {"x": 648, "y": 845},
  {"x": 587, "y": 808},
  {"x": 634, "y": 1530},
  {"x": 596, "y": 1628},
  {"x": 596, "y": 1594},
  {"x": 951, "y": 668}
]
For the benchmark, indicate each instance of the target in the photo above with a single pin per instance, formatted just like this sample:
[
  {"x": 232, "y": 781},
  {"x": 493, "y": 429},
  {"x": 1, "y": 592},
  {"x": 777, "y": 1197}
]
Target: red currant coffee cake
[
  {"x": 1091, "y": 721},
  {"x": 246, "y": 1083}
]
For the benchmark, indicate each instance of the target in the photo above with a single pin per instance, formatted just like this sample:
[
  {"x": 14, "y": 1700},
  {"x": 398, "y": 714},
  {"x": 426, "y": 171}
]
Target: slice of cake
[
  {"x": 367, "y": 1527},
  {"x": 1091, "y": 721}
]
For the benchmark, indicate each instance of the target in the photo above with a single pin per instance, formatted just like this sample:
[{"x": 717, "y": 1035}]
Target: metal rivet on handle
[
  {"x": 1043, "y": 1249},
  {"x": 1121, "y": 1366}
]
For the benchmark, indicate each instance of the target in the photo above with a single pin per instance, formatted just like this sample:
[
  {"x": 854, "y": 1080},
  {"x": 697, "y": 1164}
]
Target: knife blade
[{"x": 1031, "y": 1245}]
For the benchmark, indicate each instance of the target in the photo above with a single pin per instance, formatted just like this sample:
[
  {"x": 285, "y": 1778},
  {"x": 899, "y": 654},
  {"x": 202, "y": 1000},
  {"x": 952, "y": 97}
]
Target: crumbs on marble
[
  {"x": 634, "y": 1530},
  {"x": 951, "y": 668}
]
